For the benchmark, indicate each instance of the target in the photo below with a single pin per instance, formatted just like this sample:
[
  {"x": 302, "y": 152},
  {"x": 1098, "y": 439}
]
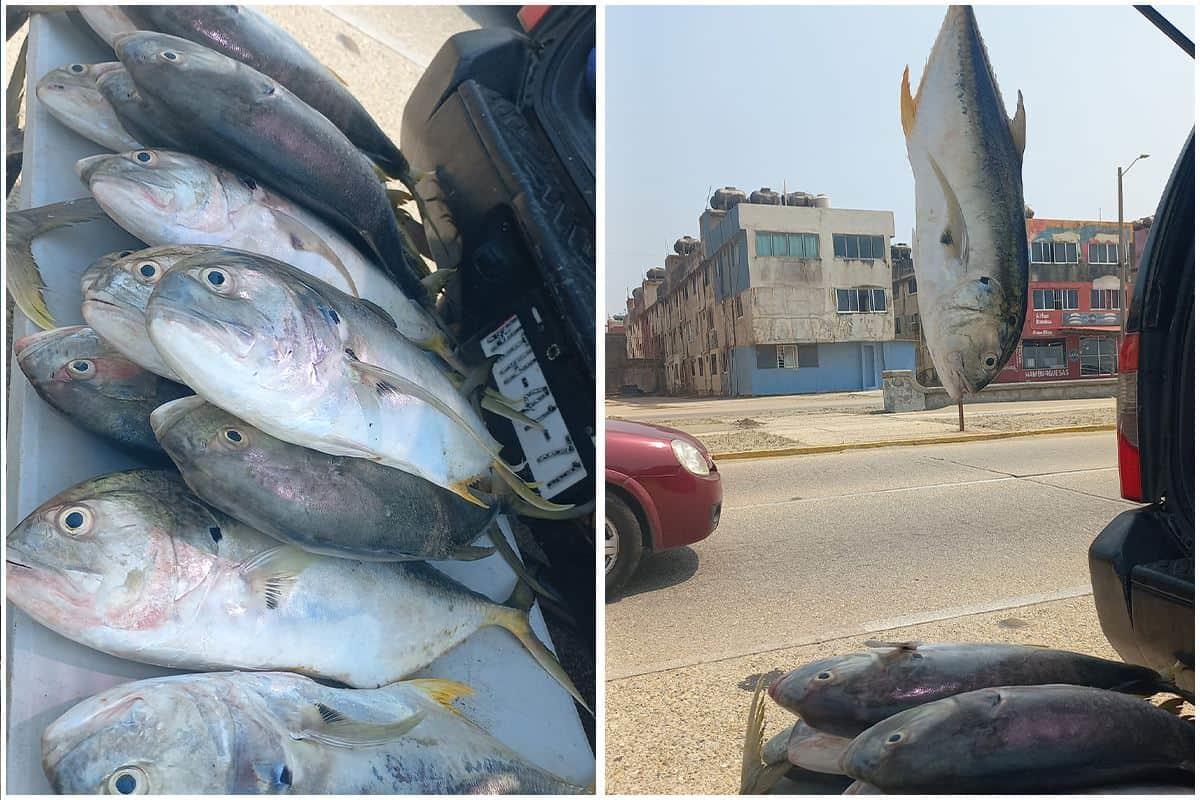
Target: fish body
[
  {"x": 116, "y": 289},
  {"x": 238, "y": 117},
  {"x": 165, "y": 197},
  {"x": 969, "y": 248},
  {"x": 144, "y": 121},
  {"x": 89, "y": 381},
  {"x": 24, "y": 278},
  {"x": 246, "y": 35},
  {"x": 308, "y": 364},
  {"x": 1021, "y": 739},
  {"x": 334, "y": 505},
  {"x": 72, "y": 97},
  {"x": 134, "y": 565},
  {"x": 274, "y": 733},
  {"x": 845, "y": 695}
]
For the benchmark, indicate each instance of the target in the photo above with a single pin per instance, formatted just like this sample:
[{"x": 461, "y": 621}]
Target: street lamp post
[{"x": 1122, "y": 254}]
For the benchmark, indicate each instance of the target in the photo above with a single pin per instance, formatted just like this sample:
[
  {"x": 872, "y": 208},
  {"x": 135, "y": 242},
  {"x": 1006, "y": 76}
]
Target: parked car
[
  {"x": 1143, "y": 563},
  {"x": 662, "y": 490}
]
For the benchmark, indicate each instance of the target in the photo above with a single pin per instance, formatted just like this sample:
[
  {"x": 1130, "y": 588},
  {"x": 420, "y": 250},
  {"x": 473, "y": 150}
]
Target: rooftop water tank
[
  {"x": 726, "y": 198},
  {"x": 686, "y": 245},
  {"x": 821, "y": 201},
  {"x": 798, "y": 199},
  {"x": 656, "y": 274},
  {"x": 765, "y": 196}
]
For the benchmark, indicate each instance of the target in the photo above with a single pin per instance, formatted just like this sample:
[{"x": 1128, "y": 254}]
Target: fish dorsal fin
[
  {"x": 908, "y": 106},
  {"x": 273, "y": 572},
  {"x": 1017, "y": 125},
  {"x": 305, "y": 238},
  {"x": 387, "y": 381},
  {"x": 335, "y": 727},
  {"x": 897, "y": 648},
  {"x": 956, "y": 225}
]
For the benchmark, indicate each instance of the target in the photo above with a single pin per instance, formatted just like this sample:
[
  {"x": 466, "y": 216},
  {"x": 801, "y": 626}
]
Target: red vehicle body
[{"x": 652, "y": 500}]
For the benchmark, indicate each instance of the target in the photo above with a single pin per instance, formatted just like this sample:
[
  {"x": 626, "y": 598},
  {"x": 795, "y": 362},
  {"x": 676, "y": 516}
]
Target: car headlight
[{"x": 690, "y": 457}]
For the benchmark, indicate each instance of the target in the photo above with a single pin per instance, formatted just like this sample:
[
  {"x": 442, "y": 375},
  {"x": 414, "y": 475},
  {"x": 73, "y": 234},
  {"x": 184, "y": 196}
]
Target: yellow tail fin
[{"x": 517, "y": 623}]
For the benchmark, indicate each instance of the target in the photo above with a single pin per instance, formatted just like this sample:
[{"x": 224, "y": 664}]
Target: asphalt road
[{"x": 813, "y": 548}]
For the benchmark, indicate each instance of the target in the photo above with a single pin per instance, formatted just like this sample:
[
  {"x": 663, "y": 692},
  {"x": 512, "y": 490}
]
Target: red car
[{"x": 662, "y": 490}]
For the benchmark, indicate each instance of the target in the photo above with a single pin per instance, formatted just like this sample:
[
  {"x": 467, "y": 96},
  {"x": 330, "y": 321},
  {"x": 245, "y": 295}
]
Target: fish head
[
  {"x": 158, "y": 195},
  {"x": 824, "y": 689},
  {"x": 97, "y": 267},
  {"x": 212, "y": 448},
  {"x": 903, "y": 744},
  {"x": 974, "y": 334},
  {"x": 162, "y": 736},
  {"x": 71, "y": 367},
  {"x": 110, "y": 553},
  {"x": 71, "y": 90},
  {"x": 224, "y": 315},
  {"x": 162, "y": 65}
]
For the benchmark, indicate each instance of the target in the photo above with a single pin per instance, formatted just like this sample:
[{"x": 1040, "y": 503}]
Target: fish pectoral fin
[
  {"x": 956, "y": 225},
  {"x": 305, "y": 238},
  {"x": 273, "y": 572},
  {"x": 379, "y": 311},
  {"x": 328, "y": 725},
  {"x": 502, "y": 409},
  {"x": 1017, "y": 125},
  {"x": 386, "y": 380},
  {"x": 908, "y": 106}
]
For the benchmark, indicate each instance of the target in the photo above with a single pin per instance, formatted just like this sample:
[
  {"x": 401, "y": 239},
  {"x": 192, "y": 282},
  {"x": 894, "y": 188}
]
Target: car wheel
[{"x": 622, "y": 542}]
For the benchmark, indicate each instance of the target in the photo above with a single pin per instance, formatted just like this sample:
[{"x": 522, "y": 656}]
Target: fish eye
[
  {"x": 217, "y": 279},
  {"x": 824, "y": 675},
  {"x": 144, "y": 156},
  {"x": 895, "y": 738},
  {"x": 170, "y": 55},
  {"x": 77, "y": 68},
  {"x": 82, "y": 368},
  {"x": 989, "y": 361},
  {"x": 148, "y": 272},
  {"x": 75, "y": 521},
  {"x": 128, "y": 780},
  {"x": 233, "y": 438}
]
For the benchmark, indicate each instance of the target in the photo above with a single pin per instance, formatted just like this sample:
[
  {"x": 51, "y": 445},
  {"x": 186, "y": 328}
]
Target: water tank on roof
[
  {"x": 686, "y": 245},
  {"x": 798, "y": 199},
  {"x": 656, "y": 274},
  {"x": 637, "y": 292},
  {"x": 765, "y": 197},
  {"x": 821, "y": 201},
  {"x": 726, "y": 198}
]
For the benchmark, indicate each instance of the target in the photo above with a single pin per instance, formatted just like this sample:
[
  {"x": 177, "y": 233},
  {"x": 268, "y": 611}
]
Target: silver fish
[
  {"x": 1021, "y": 739},
  {"x": 310, "y": 365},
  {"x": 969, "y": 246},
  {"x": 90, "y": 382},
  {"x": 275, "y": 733},
  {"x": 71, "y": 96},
  {"x": 134, "y": 565}
]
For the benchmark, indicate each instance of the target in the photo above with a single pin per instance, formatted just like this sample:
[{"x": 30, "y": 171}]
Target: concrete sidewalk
[{"x": 796, "y": 424}]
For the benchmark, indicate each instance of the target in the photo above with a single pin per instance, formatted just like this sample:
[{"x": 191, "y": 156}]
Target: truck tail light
[{"x": 1129, "y": 456}]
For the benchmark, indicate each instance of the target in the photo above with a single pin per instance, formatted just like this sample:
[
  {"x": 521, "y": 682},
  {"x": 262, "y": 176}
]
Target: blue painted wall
[{"x": 842, "y": 367}]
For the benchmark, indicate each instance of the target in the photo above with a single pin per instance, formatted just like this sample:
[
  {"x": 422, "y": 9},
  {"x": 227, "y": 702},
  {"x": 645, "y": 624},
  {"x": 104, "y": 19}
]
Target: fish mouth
[{"x": 168, "y": 414}]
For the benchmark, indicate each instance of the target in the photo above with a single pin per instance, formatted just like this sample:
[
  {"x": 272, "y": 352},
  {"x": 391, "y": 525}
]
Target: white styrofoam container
[{"x": 45, "y": 673}]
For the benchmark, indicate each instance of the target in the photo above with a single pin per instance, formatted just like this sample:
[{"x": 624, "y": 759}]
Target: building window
[
  {"x": 787, "y": 245},
  {"x": 724, "y": 364},
  {"x": 700, "y": 364},
  {"x": 862, "y": 300},
  {"x": 1106, "y": 298},
  {"x": 737, "y": 305},
  {"x": 786, "y": 356},
  {"x": 1054, "y": 252},
  {"x": 1098, "y": 355},
  {"x": 712, "y": 364},
  {"x": 1102, "y": 253},
  {"x": 853, "y": 245},
  {"x": 912, "y": 285},
  {"x": 1044, "y": 354},
  {"x": 1055, "y": 299}
]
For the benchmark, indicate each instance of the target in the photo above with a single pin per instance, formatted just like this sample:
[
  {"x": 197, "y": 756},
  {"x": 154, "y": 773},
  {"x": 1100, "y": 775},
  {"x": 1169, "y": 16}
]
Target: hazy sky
[{"x": 703, "y": 97}]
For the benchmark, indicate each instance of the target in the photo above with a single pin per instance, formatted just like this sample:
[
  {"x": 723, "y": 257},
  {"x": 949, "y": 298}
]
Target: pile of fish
[
  {"x": 969, "y": 247},
  {"x": 910, "y": 718},
  {"x": 275, "y": 355}
]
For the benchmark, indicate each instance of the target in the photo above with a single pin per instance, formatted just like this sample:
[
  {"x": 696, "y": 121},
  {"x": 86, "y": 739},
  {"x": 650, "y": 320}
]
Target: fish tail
[
  {"x": 516, "y": 622},
  {"x": 522, "y": 491},
  {"x": 25, "y": 280},
  {"x": 514, "y": 562}
]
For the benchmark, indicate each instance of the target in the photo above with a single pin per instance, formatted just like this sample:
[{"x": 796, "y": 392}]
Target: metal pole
[
  {"x": 961, "y": 426},
  {"x": 1122, "y": 261}
]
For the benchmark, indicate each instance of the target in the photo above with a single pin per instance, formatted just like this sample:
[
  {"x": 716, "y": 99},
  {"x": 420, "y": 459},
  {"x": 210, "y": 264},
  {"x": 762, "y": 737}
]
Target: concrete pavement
[
  {"x": 731, "y": 425},
  {"x": 983, "y": 541}
]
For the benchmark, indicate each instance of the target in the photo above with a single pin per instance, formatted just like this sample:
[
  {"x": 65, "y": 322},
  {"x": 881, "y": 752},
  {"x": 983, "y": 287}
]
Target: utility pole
[{"x": 1122, "y": 247}]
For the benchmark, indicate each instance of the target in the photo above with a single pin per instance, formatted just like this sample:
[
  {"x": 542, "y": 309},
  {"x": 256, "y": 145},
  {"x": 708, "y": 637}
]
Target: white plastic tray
[{"x": 46, "y": 674}]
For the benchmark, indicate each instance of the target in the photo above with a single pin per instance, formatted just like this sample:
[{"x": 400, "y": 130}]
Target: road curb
[{"x": 941, "y": 439}]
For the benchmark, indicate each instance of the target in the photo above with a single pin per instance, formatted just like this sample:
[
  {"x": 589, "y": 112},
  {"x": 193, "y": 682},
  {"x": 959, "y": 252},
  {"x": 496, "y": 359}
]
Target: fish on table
[
  {"x": 71, "y": 94},
  {"x": 970, "y": 253}
]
